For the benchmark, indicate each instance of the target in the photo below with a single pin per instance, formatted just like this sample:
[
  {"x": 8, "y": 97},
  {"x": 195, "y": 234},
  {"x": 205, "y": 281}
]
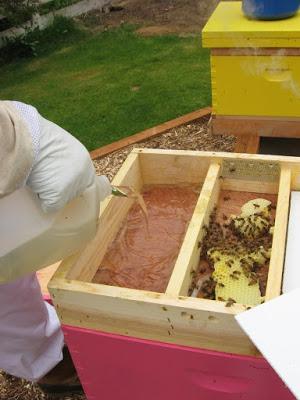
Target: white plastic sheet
[
  {"x": 274, "y": 327},
  {"x": 291, "y": 276}
]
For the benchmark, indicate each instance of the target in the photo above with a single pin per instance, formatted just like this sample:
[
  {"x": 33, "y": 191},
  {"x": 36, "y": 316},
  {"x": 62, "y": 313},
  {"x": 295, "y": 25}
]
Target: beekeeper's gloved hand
[{"x": 61, "y": 166}]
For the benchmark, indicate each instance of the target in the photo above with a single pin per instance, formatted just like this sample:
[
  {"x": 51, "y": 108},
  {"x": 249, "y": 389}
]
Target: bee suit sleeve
[
  {"x": 57, "y": 167},
  {"x": 52, "y": 162},
  {"x": 16, "y": 149}
]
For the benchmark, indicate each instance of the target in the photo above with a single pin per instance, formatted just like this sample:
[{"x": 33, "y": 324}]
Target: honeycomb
[{"x": 234, "y": 277}]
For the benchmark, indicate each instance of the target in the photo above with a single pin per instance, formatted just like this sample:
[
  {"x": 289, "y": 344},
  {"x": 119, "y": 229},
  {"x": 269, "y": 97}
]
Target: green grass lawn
[{"x": 105, "y": 86}]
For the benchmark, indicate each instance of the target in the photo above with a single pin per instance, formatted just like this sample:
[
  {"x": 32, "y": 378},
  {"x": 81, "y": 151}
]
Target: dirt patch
[
  {"x": 157, "y": 30},
  {"x": 159, "y": 16}
]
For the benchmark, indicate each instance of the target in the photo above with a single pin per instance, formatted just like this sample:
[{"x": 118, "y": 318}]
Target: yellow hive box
[{"x": 255, "y": 69}]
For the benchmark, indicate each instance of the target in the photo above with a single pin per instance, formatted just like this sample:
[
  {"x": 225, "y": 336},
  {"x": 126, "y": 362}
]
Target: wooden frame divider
[{"x": 189, "y": 255}]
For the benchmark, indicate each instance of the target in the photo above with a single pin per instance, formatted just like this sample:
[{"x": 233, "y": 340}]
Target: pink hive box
[
  {"x": 137, "y": 345},
  {"x": 115, "y": 367}
]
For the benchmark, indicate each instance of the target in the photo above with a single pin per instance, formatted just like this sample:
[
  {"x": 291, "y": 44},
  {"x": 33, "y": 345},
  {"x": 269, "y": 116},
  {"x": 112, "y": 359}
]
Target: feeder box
[{"x": 173, "y": 317}]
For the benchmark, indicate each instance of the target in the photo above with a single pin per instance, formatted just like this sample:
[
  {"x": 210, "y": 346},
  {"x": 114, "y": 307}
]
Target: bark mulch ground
[
  {"x": 12, "y": 388},
  {"x": 193, "y": 136}
]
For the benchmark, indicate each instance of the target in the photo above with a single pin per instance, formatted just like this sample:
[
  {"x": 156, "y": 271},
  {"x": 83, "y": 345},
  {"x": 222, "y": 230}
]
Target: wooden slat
[
  {"x": 279, "y": 237},
  {"x": 189, "y": 256},
  {"x": 198, "y": 323},
  {"x": 240, "y": 185},
  {"x": 218, "y": 156},
  {"x": 156, "y": 174},
  {"x": 172, "y": 167},
  {"x": 112, "y": 214},
  {"x": 149, "y": 133},
  {"x": 262, "y": 126},
  {"x": 247, "y": 144}
]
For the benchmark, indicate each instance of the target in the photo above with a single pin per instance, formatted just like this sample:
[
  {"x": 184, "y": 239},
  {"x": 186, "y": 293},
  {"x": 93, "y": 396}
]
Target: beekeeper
[{"x": 56, "y": 166}]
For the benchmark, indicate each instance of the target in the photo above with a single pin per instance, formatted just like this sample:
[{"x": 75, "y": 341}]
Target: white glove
[
  {"x": 104, "y": 187},
  {"x": 63, "y": 168}
]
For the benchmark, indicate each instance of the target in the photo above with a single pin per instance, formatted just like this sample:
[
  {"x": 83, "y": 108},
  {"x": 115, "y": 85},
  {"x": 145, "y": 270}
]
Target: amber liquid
[
  {"x": 131, "y": 193},
  {"x": 145, "y": 250}
]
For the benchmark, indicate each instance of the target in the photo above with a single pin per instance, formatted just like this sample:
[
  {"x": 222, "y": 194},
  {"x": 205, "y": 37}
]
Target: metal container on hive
[{"x": 270, "y": 9}]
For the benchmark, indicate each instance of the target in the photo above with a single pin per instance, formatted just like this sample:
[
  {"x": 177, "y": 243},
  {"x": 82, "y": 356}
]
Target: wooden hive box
[{"x": 173, "y": 316}]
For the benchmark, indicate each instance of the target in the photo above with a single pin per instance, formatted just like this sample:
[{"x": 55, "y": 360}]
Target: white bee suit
[
  {"x": 31, "y": 339},
  {"x": 57, "y": 167}
]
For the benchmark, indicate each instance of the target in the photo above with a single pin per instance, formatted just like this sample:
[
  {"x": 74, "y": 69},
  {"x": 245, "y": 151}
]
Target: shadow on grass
[{"x": 35, "y": 43}]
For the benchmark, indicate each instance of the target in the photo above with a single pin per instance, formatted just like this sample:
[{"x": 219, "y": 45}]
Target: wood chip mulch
[
  {"x": 12, "y": 388},
  {"x": 193, "y": 136}
]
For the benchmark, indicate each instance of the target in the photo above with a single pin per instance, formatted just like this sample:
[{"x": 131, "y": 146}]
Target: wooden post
[{"x": 247, "y": 144}]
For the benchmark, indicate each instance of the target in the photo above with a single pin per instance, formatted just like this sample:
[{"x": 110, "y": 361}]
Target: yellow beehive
[{"x": 255, "y": 69}]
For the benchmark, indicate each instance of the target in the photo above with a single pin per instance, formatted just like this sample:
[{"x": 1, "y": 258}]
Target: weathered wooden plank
[
  {"x": 247, "y": 144},
  {"x": 260, "y": 126}
]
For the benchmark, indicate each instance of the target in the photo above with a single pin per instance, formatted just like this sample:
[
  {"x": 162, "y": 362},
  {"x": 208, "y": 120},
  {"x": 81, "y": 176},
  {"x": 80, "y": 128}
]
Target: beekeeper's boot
[{"x": 62, "y": 378}]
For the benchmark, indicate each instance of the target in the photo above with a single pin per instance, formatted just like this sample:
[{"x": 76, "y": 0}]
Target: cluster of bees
[
  {"x": 254, "y": 220},
  {"x": 238, "y": 252}
]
